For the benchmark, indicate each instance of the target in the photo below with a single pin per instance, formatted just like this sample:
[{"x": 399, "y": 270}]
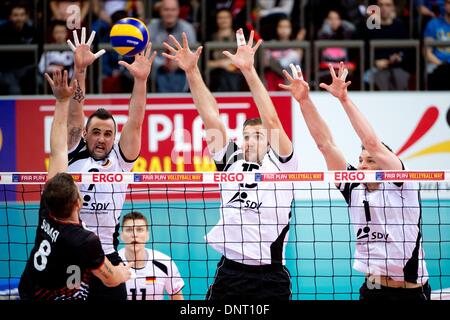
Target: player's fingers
[
  {"x": 83, "y": 35},
  {"x": 257, "y": 45},
  {"x": 124, "y": 64},
  {"x": 175, "y": 42},
  {"x": 49, "y": 80},
  {"x": 148, "y": 50},
  {"x": 332, "y": 72},
  {"x": 347, "y": 84},
  {"x": 240, "y": 39},
  {"x": 198, "y": 52},
  {"x": 75, "y": 38},
  {"x": 324, "y": 86},
  {"x": 168, "y": 56},
  {"x": 99, "y": 54},
  {"x": 74, "y": 85},
  {"x": 91, "y": 38},
  {"x": 152, "y": 57},
  {"x": 250, "y": 39},
  {"x": 344, "y": 74},
  {"x": 64, "y": 79},
  {"x": 185, "y": 40},
  {"x": 294, "y": 71},
  {"x": 287, "y": 75},
  {"x": 284, "y": 87},
  {"x": 227, "y": 54},
  {"x": 169, "y": 47},
  {"x": 71, "y": 46},
  {"x": 299, "y": 71}
]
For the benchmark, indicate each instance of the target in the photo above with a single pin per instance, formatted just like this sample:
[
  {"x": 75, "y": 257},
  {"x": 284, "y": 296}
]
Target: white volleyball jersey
[
  {"x": 387, "y": 225},
  {"x": 102, "y": 203},
  {"x": 159, "y": 274},
  {"x": 254, "y": 218}
]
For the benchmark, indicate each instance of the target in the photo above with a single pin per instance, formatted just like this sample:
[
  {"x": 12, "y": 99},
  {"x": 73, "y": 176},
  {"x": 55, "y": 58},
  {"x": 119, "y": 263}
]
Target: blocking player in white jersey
[
  {"x": 155, "y": 272},
  {"x": 253, "y": 229},
  {"x": 394, "y": 262},
  {"x": 93, "y": 149},
  {"x": 65, "y": 255}
]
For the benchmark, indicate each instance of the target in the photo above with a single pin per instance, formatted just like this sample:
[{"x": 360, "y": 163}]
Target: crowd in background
[{"x": 45, "y": 22}]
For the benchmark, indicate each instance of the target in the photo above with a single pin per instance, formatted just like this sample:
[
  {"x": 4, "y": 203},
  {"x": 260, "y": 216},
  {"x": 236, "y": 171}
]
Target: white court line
[
  {"x": 171, "y": 106},
  {"x": 443, "y": 294}
]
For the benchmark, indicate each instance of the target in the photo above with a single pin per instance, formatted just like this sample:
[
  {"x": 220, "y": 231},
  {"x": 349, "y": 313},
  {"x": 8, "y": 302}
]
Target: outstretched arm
[
  {"x": 83, "y": 57},
  {"x": 58, "y": 135},
  {"x": 386, "y": 159},
  {"x": 317, "y": 126},
  {"x": 204, "y": 101},
  {"x": 244, "y": 60},
  {"x": 130, "y": 138}
]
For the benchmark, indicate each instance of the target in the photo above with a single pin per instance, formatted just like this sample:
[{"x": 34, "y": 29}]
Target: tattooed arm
[
  {"x": 112, "y": 276},
  {"x": 83, "y": 57}
]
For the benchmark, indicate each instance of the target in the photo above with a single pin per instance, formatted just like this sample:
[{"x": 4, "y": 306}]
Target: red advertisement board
[{"x": 172, "y": 132}]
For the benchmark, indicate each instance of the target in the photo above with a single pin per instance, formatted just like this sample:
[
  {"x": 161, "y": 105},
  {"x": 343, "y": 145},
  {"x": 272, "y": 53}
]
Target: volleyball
[{"x": 129, "y": 36}]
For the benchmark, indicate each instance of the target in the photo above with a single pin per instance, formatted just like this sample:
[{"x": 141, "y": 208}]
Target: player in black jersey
[{"x": 65, "y": 255}]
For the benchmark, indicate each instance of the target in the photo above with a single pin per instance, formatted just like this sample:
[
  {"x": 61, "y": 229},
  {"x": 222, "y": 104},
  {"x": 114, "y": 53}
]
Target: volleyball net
[{"x": 183, "y": 207}]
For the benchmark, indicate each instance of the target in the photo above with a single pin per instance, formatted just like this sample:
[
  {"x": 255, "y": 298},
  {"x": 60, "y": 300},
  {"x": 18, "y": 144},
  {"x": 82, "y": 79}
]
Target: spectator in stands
[
  {"x": 17, "y": 68},
  {"x": 169, "y": 78},
  {"x": 56, "y": 60},
  {"x": 334, "y": 28},
  {"x": 269, "y": 12},
  {"x": 389, "y": 72},
  {"x": 431, "y": 8},
  {"x": 104, "y": 10},
  {"x": 275, "y": 60},
  {"x": 224, "y": 75},
  {"x": 438, "y": 58}
]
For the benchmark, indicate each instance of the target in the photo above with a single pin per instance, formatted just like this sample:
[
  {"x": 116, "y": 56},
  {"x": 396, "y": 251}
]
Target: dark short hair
[
  {"x": 387, "y": 147},
  {"x": 252, "y": 122},
  {"x": 19, "y": 4},
  {"x": 60, "y": 195},
  {"x": 134, "y": 215},
  {"x": 102, "y": 114}
]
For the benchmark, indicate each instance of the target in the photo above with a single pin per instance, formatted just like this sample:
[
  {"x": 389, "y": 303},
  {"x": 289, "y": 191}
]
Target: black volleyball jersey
[{"x": 59, "y": 264}]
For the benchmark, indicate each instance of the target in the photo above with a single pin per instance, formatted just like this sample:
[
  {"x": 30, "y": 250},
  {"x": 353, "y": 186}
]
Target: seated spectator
[
  {"x": 334, "y": 28},
  {"x": 17, "y": 68},
  {"x": 438, "y": 58},
  {"x": 275, "y": 60},
  {"x": 389, "y": 72},
  {"x": 224, "y": 75},
  {"x": 269, "y": 13},
  {"x": 56, "y": 60},
  {"x": 168, "y": 77}
]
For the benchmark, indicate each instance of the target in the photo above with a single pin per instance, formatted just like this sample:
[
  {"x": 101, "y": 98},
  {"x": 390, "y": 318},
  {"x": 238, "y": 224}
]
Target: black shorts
[
  {"x": 99, "y": 292},
  {"x": 234, "y": 281},
  {"x": 383, "y": 293}
]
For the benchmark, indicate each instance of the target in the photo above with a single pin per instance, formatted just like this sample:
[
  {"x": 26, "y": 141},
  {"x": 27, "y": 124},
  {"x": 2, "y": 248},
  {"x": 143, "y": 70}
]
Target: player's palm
[
  {"x": 182, "y": 54},
  {"x": 142, "y": 65},
  {"x": 338, "y": 86},
  {"x": 186, "y": 59},
  {"x": 298, "y": 87},
  {"x": 244, "y": 58},
  {"x": 83, "y": 56},
  {"x": 60, "y": 88}
]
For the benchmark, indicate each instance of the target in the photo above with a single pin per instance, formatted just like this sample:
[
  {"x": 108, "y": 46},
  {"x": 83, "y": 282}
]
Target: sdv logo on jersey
[
  {"x": 364, "y": 233},
  {"x": 240, "y": 197}
]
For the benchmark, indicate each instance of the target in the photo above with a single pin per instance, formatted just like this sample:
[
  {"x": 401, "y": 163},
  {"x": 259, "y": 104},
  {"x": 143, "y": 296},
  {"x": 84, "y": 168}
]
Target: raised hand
[
  {"x": 338, "y": 87},
  {"x": 142, "y": 65},
  {"x": 244, "y": 58},
  {"x": 183, "y": 56},
  {"x": 298, "y": 87},
  {"x": 61, "y": 90},
  {"x": 83, "y": 56}
]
